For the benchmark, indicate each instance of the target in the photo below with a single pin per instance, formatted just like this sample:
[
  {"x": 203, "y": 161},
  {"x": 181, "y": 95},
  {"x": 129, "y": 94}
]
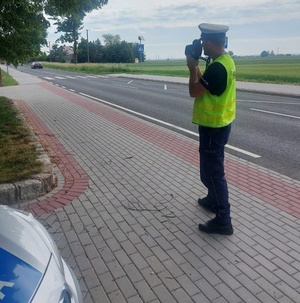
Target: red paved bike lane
[{"x": 75, "y": 178}]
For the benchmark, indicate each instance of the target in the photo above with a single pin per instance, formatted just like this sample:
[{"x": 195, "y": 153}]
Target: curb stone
[{"x": 37, "y": 185}]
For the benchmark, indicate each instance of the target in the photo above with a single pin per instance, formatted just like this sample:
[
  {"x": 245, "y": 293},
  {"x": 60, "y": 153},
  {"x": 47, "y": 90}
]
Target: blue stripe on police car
[{"x": 18, "y": 279}]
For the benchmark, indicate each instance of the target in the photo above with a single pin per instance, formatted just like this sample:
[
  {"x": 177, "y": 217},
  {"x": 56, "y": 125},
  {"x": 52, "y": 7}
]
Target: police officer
[{"x": 214, "y": 110}]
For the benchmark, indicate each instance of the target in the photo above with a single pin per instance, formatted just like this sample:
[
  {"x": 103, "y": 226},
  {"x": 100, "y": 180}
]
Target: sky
[{"x": 168, "y": 25}]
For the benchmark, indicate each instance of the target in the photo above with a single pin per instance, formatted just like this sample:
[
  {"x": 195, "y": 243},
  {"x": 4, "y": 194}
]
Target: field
[
  {"x": 277, "y": 69},
  {"x": 284, "y": 70}
]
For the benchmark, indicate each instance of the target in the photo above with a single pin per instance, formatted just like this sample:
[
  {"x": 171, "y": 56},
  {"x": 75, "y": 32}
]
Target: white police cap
[{"x": 213, "y": 31}]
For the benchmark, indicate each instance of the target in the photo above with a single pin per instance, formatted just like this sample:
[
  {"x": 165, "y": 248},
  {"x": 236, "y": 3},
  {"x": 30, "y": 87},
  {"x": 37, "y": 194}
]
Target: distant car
[
  {"x": 36, "y": 64},
  {"x": 31, "y": 268}
]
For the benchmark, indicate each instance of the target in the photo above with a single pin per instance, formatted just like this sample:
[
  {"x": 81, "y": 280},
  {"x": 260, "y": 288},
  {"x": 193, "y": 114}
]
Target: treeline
[{"x": 113, "y": 50}]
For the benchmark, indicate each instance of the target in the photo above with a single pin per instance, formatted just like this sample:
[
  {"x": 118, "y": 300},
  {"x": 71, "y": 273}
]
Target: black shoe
[
  {"x": 207, "y": 204},
  {"x": 214, "y": 227}
]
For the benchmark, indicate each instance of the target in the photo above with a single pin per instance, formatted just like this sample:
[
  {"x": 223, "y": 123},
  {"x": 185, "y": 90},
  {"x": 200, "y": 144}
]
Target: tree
[
  {"x": 264, "y": 54},
  {"x": 82, "y": 51},
  {"x": 71, "y": 27},
  {"x": 126, "y": 52},
  {"x": 68, "y": 7},
  {"x": 43, "y": 57},
  {"x": 95, "y": 51},
  {"x": 58, "y": 53},
  {"x": 69, "y": 15},
  {"x": 110, "y": 40},
  {"x": 231, "y": 53},
  {"x": 113, "y": 51},
  {"x": 118, "y": 53},
  {"x": 22, "y": 30}
]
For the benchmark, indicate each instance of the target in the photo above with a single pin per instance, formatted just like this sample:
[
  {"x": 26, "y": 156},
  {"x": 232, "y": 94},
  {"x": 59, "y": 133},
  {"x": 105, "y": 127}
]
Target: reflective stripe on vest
[{"x": 218, "y": 111}]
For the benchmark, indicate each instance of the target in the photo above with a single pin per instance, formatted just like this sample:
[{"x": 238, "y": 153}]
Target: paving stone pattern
[{"x": 125, "y": 214}]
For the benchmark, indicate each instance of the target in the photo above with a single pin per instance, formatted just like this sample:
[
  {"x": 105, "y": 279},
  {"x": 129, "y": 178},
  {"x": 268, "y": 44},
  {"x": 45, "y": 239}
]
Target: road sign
[{"x": 141, "y": 48}]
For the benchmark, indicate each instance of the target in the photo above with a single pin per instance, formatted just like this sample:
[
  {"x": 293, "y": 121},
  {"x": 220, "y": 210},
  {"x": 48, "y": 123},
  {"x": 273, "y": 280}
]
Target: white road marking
[
  {"x": 242, "y": 151},
  {"x": 72, "y": 90},
  {"x": 126, "y": 86},
  {"x": 167, "y": 124},
  {"x": 71, "y": 77},
  {"x": 271, "y": 102},
  {"x": 273, "y": 113}
]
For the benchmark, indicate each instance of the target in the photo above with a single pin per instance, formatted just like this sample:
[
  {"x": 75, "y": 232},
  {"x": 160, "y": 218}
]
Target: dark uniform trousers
[{"x": 212, "y": 175}]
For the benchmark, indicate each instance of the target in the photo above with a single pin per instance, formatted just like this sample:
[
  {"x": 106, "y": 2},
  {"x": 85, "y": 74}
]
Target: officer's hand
[{"x": 191, "y": 63}]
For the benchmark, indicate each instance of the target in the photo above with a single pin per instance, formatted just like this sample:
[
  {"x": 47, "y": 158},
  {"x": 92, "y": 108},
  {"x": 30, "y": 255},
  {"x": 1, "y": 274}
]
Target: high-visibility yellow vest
[{"x": 218, "y": 111}]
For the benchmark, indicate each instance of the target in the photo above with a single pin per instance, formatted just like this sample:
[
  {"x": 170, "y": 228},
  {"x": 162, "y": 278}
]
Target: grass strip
[
  {"x": 7, "y": 80},
  {"x": 18, "y": 157}
]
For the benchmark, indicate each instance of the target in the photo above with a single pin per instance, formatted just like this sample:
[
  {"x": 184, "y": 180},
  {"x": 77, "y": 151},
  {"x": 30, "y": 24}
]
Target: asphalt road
[{"x": 265, "y": 132}]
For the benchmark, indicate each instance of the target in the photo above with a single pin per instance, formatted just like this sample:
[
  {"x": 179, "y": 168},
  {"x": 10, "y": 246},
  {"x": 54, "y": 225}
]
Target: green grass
[
  {"x": 163, "y": 68},
  {"x": 283, "y": 70},
  {"x": 18, "y": 158},
  {"x": 277, "y": 69},
  {"x": 7, "y": 80}
]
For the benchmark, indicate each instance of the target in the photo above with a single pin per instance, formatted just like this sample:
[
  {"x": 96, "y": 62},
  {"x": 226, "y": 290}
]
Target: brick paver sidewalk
[{"x": 125, "y": 213}]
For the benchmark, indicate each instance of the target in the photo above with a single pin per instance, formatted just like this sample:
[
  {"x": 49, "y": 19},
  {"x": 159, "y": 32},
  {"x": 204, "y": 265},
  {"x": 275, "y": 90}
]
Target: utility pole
[
  {"x": 88, "y": 51},
  {"x": 50, "y": 51}
]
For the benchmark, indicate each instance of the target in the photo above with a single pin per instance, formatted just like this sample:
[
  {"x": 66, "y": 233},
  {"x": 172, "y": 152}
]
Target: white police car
[{"x": 31, "y": 268}]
